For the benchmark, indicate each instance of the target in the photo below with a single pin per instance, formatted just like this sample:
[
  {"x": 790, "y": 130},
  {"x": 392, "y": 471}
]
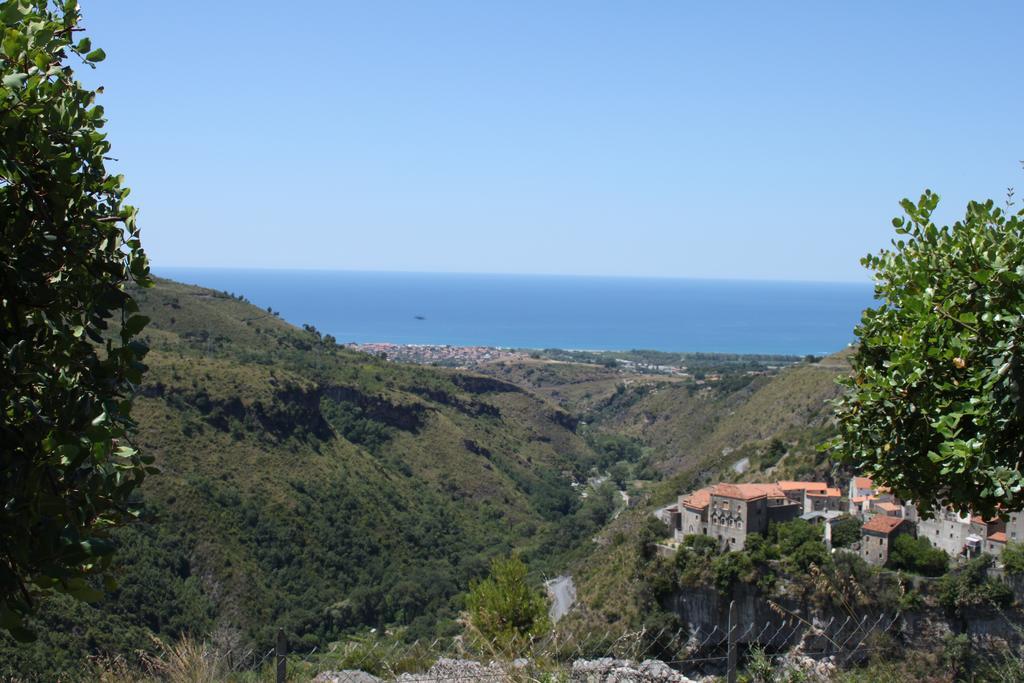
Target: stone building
[
  {"x": 966, "y": 536},
  {"x": 829, "y": 499},
  {"x": 693, "y": 513},
  {"x": 728, "y": 512},
  {"x": 877, "y": 535}
]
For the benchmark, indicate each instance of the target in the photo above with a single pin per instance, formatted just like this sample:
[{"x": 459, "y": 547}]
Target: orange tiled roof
[
  {"x": 802, "y": 486},
  {"x": 747, "y": 491},
  {"x": 998, "y": 537},
  {"x": 863, "y": 483},
  {"x": 888, "y": 507},
  {"x": 882, "y": 524},
  {"x": 827, "y": 493},
  {"x": 860, "y": 499},
  {"x": 698, "y": 499}
]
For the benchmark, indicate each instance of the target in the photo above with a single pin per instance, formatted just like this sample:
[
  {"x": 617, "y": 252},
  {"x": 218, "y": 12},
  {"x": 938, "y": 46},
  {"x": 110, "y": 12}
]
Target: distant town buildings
[{"x": 440, "y": 354}]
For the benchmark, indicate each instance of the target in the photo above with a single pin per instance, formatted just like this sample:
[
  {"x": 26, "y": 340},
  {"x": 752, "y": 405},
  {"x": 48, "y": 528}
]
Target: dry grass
[{"x": 186, "y": 661}]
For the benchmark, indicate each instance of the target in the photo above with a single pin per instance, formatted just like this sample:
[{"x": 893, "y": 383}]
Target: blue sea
[{"x": 536, "y": 311}]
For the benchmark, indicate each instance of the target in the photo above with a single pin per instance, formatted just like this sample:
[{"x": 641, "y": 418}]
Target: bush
[
  {"x": 918, "y": 556},
  {"x": 971, "y": 587},
  {"x": 1013, "y": 558},
  {"x": 845, "y": 532},
  {"x": 693, "y": 559},
  {"x": 800, "y": 544},
  {"x": 731, "y": 567}
]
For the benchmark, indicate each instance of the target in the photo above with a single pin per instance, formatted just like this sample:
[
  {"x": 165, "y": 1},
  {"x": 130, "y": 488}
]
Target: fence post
[
  {"x": 281, "y": 655},
  {"x": 731, "y": 672}
]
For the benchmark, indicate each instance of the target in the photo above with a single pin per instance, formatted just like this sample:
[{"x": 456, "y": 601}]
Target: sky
[{"x": 669, "y": 139}]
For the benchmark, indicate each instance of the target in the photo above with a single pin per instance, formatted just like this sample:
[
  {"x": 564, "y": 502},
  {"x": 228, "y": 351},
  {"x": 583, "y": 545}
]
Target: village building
[
  {"x": 728, "y": 512},
  {"x": 885, "y": 507},
  {"x": 866, "y": 500},
  {"x": 861, "y": 487},
  {"x": 877, "y": 536},
  {"x": 829, "y": 499},
  {"x": 967, "y": 536}
]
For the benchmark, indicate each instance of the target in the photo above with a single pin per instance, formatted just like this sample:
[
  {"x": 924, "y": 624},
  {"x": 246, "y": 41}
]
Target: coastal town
[
  {"x": 440, "y": 354},
  {"x": 729, "y": 513}
]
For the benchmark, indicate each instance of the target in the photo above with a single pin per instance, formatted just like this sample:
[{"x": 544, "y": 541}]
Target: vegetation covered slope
[{"x": 316, "y": 489}]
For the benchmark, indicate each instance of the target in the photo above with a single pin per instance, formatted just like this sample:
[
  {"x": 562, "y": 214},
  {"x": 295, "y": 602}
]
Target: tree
[
  {"x": 70, "y": 246},
  {"x": 800, "y": 543},
  {"x": 970, "y": 586},
  {"x": 1013, "y": 558},
  {"x": 504, "y": 608},
  {"x": 934, "y": 408},
  {"x": 845, "y": 532},
  {"x": 918, "y": 556}
]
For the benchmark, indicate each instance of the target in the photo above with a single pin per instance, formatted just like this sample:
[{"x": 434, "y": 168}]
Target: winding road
[{"x": 563, "y": 594}]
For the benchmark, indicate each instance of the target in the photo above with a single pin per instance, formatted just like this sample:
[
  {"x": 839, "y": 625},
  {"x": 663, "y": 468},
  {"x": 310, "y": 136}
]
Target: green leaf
[
  {"x": 134, "y": 325},
  {"x": 15, "y": 80},
  {"x": 97, "y": 55}
]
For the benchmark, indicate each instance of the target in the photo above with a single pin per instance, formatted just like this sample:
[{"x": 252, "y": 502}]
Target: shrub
[
  {"x": 800, "y": 544},
  {"x": 1013, "y": 558},
  {"x": 971, "y": 587},
  {"x": 731, "y": 567},
  {"x": 918, "y": 556},
  {"x": 845, "y": 532}
]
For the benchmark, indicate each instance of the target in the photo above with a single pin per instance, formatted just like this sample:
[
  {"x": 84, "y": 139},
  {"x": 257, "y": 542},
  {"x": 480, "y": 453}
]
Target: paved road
[{"x": 563, "y": 594}]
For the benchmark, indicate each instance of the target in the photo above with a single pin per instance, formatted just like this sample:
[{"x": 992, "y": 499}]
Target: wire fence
[{"x": 644, "y": 655}]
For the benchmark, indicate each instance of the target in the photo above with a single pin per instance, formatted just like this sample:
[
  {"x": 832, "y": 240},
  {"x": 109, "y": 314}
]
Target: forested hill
[{"x": 316, "y": 489}]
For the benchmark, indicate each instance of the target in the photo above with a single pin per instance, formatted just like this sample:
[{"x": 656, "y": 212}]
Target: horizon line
[{"x": 280, "y": 269}]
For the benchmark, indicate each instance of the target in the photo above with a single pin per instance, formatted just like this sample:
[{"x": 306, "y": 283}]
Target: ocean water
[{"x": 527, "y": 311}]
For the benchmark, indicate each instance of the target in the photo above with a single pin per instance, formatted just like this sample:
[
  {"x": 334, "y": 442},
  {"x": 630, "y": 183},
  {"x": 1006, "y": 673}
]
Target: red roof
[
  {"x": 802, "y": 486},
  {"x": 698, "y": 499},
  {"x": 827, "y": 493},
  {"x": 883, "y": 524},
  {"x": 998, "y": 537},
  {"x": 747, "y": 491},
  {"x": 888, "y": 507},
  {"x": 863, "y": 483}
]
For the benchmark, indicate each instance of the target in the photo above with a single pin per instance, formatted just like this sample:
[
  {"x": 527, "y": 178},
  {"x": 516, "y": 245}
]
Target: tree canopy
[
  {"x": 70, "y": 245},
  {"x": 504, "y": 608},
  {"x": 934, "y": 407}
]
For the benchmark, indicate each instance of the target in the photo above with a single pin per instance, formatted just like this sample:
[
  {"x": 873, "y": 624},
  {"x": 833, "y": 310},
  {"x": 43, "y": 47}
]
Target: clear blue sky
[{"x": 740, "y": 140}]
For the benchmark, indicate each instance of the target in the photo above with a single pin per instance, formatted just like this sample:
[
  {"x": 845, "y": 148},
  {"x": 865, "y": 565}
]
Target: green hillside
[{"x": 312, "y": 488}]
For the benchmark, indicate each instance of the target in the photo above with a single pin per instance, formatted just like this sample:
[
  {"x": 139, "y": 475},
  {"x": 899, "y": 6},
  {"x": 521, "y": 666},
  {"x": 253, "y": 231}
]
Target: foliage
[
  {"x": 799, "y": 544},
  {"x": 918, "y": 556},
  {"x": 970, "y": 586},
  {"x": 845, "y": 532},
  {"x": 730, "y": 568},
  {"x": 773, "y": 453},
  {"x": 504, "y": 608},
  {"x": 759, "y": 668},
  {"x": 69, "y": 246},
  {"x": 267, "y": 516},
  {"x": 693, "y": 559},
  {"x": 1013, "y": 558},
  {"x": 934, "y": 407}
]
